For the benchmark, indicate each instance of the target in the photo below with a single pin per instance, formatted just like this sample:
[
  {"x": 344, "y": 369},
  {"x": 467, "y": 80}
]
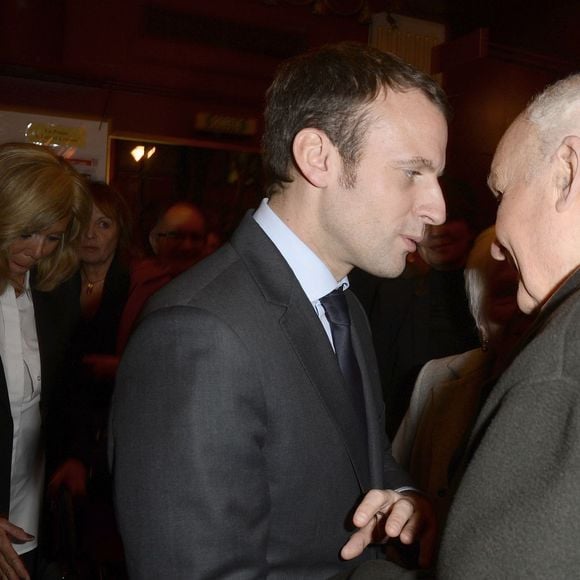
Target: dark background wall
[{"x": 151, "y": 67}]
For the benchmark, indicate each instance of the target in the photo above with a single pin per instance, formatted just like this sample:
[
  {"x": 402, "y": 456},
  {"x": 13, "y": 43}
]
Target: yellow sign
[
  {"x": 226, "y": 124},
  {"x": 52, "y": 134}
]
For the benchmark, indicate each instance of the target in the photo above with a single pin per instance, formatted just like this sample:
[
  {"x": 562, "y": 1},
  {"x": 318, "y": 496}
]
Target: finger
[
  {"x": 11, "y": 565},
  {"x": 401, "y": 518},
  {"x": 358, "y": 541},
  {"x": 8, "y": 529},
  {"x": 374, "y": 501}
]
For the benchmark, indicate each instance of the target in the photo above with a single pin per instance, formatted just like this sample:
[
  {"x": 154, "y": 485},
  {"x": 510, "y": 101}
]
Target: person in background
[
  {"x": 448, "y": 391},
  {"x": 247, "y": 420},
  {"x": 178, "y": 238},
  {"x": 423, "y": 314},
  {"x": 102, "y": 282},
  {"x": 102, "y": 286},
  {"x": 44, "y": 207},
  {"x": 178, "y": 241}
]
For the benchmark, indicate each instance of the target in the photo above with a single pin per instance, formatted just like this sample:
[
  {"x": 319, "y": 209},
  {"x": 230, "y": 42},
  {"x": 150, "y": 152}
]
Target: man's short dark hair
[{"x": 330, "y": 89}]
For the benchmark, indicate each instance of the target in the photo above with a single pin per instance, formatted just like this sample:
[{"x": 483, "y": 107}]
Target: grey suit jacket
[{"x": 236, "y": 453}]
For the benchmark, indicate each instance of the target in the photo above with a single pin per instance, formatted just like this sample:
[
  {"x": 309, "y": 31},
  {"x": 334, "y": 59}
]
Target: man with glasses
[
  {"x": 178, "y": 242},
  {"x": 178, "y": 238}
]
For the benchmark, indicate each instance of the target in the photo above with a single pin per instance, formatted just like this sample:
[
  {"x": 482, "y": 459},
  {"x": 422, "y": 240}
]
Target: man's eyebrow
[
  {"x": 418, "y": 163},
  {"x": 415, "y": 162}
]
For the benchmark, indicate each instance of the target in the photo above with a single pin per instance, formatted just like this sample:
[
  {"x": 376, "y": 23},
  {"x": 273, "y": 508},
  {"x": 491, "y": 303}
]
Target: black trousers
[{"x": 30, "y": 559}]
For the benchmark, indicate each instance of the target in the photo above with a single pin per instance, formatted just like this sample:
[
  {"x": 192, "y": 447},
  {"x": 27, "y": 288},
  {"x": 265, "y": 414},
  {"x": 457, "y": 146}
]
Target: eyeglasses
[{"x": 179, "y": 236}]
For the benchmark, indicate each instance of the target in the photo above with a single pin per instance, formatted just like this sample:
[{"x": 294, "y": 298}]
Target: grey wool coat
[{"x": 516, "y": 513}]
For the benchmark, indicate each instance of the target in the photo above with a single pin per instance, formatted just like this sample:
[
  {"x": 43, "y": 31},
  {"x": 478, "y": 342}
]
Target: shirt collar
[{"x": 313, "y": 276}]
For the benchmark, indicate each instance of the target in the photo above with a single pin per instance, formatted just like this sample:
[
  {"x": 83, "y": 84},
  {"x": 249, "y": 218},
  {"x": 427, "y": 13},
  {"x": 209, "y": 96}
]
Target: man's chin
[{"x": 388, "y": 270}]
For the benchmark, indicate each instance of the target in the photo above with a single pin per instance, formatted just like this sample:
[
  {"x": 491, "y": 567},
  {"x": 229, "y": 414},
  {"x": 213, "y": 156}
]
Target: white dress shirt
[
  {"x": 315, "y": 278},
  {"x": 21, "y": 363}
]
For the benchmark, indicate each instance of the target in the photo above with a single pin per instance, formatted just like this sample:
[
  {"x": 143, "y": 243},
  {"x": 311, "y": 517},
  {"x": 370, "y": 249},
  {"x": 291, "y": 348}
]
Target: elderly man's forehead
[
  {"x": 183, "y": 216},
  {"x": 512, "y": 151}
]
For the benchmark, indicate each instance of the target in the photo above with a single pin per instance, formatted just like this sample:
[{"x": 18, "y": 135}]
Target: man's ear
[
  {"x": 313, "y": 154},
  {"x": 568, "y": 178}
]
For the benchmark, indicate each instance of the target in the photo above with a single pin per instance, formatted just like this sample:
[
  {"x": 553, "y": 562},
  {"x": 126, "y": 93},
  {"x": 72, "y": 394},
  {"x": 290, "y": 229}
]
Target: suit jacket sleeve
[{"x": 178, "y": 396}]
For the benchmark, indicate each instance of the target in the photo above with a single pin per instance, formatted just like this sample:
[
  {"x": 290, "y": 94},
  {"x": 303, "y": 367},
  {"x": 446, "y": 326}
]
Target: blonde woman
[{"x": 43, "y": 209}]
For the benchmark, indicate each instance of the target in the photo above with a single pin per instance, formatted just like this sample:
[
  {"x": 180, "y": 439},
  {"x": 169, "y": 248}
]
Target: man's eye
[{"x": 410, "y": 173}]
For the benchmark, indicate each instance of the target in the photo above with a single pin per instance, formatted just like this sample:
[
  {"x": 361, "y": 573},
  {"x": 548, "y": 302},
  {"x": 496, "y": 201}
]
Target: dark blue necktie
[{"x": 336, "y": 310}]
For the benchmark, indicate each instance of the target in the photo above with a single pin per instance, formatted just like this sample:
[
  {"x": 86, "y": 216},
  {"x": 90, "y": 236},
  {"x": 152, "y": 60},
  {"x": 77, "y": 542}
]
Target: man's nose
[
  {"x": 187, "y": 243},
  {"x": 434, "y": 210},
  {"x": 90, "y": 232},
  {"x": 191, "y": 243}
]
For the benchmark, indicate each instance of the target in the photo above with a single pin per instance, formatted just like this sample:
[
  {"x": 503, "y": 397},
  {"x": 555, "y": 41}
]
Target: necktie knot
[{"x": 336, "y": 308}]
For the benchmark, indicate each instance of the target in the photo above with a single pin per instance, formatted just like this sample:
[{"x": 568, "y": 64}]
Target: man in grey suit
[
  {"x": 516, "y": 513},
  {"x": 238, "y": 449}
]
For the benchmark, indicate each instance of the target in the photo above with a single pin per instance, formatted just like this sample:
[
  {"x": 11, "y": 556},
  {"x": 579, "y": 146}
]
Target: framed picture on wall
[{"x": 83, "y": 142}]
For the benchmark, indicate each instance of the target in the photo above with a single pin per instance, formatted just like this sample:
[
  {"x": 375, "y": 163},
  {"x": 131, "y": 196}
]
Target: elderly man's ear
[{"x": 568, "y": 167}]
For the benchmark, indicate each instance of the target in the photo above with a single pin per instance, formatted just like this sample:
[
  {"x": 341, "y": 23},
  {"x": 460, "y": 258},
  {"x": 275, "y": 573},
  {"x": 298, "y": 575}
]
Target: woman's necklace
[
  {"x": 91, "y": 283},
  {"x": 19, "y": 287}
]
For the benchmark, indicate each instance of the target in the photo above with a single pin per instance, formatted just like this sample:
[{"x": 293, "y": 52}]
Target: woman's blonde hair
[{"x": 38, "y": 189}]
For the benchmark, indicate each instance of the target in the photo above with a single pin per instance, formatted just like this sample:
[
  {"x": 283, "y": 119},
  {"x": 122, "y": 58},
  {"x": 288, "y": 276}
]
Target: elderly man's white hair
[{"x": 556, "y": 112}]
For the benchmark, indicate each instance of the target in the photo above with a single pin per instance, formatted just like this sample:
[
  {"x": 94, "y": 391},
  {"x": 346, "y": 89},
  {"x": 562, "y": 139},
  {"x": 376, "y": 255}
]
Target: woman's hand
[{"x": 11, "y": 565}]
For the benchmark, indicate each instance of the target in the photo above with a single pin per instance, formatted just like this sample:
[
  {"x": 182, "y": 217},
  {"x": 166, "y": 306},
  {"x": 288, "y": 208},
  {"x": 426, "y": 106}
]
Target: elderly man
[
  {"x": 516, "y": 513},
  {"x": 247, "y": 420}
]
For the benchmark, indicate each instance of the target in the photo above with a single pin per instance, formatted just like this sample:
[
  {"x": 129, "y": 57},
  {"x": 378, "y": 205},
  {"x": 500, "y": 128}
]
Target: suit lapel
[
  {"x": 364, "y": 351},
  {"x": 6, "y": 435},
  {"x": 306, "y": 337},
  {"x": 310, "y": 343},
  {"x": 43, "y": 339}
]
